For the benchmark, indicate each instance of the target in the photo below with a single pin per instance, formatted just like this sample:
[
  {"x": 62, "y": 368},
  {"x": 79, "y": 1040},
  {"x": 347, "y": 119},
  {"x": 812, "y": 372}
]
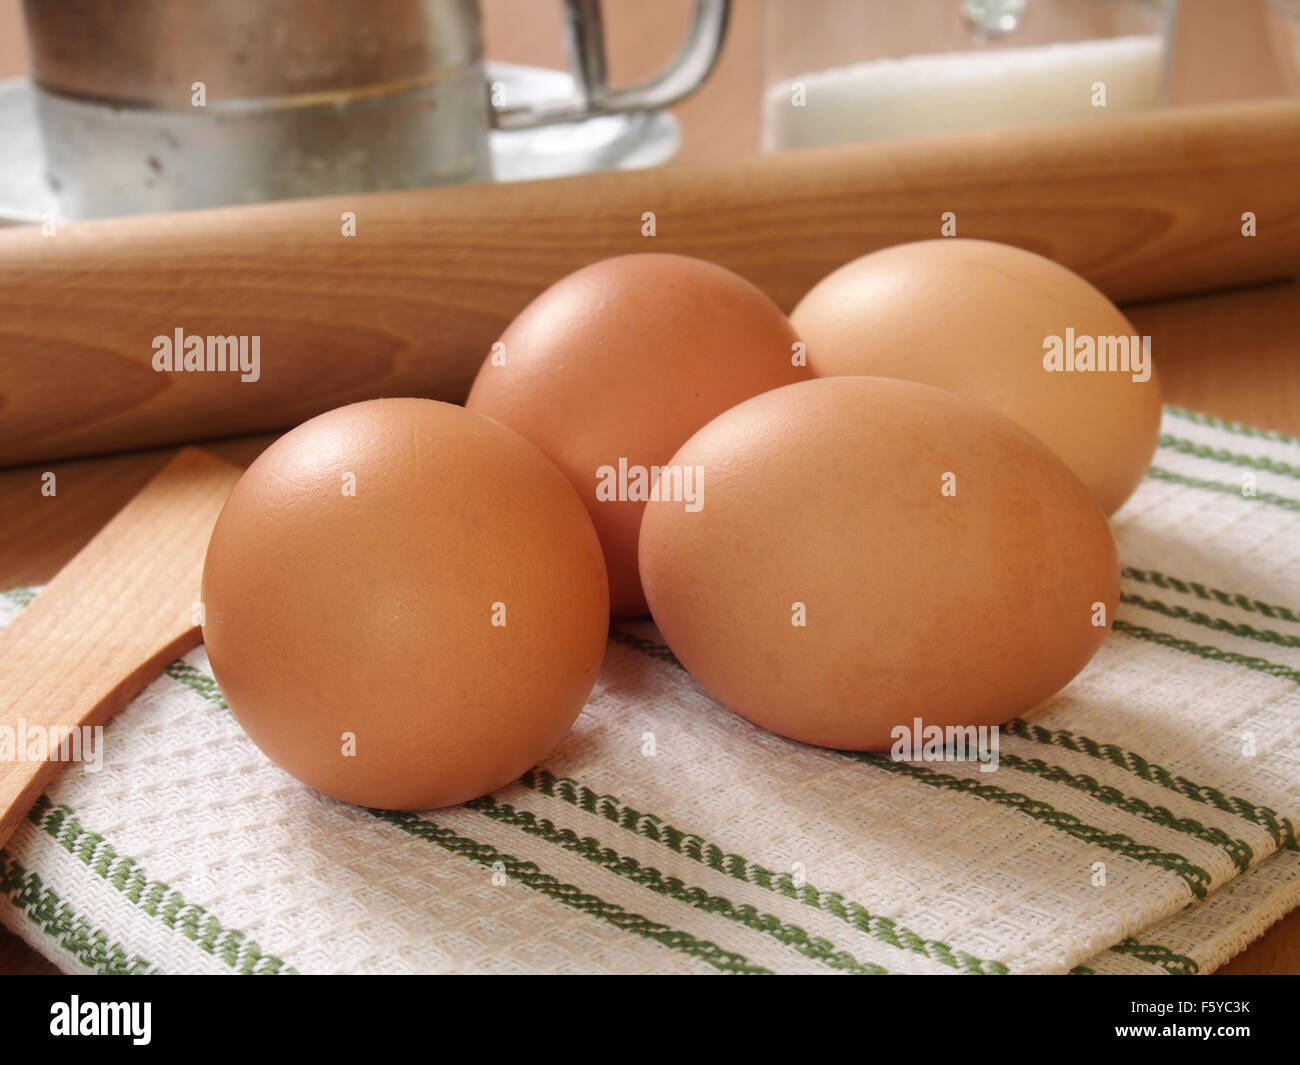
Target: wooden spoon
[{"x": 110, "y": 621}]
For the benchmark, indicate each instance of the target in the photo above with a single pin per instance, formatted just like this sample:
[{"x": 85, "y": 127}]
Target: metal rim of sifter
[{"x": 608, "y": 142}]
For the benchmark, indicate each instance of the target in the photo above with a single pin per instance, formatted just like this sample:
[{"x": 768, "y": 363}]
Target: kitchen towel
[{"x": 1142, "y": 820}]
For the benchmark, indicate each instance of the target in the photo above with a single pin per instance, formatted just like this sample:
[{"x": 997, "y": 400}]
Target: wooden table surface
[{"x": 1235, "y": 354}]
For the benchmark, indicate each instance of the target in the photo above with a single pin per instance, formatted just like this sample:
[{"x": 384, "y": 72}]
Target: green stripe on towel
[
  {"x": 1159, "y": 473},
  {"x": 1196, "y": 878},
  {"x": 1209, "y": 652},
  {"x": 153, "y": 897},
  {"x": 1228, "y": 458},
  {"x": 1236, "y": 428},
  {"x": 1197, "y": 617},
  {"x": 1280, "y": 828},
  {"x": 699, "y": 849},
  {"x": 815, "y": 947},
  {"x": 197, "y": 681},
  {"x": 1154, "y": 954},
  {"x": 1237, "y": 849},
  {"x": 532, "y": 877},
  {"x": 1201, "y": 591},
  {"x": 56, "y": 919}
]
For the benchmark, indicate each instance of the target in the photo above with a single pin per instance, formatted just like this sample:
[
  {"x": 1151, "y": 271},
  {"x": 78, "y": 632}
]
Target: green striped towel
[{"x": 1143, "y": 820}]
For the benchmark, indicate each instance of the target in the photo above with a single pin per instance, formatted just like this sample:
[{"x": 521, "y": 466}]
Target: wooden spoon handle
[
  {"x": 107, "y": 624},
  {"x": 1142, "y": 205}
]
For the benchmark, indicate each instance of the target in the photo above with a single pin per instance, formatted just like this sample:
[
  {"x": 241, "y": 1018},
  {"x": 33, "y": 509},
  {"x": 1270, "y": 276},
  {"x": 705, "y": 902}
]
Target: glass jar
[{"x": 847, "y": 70}]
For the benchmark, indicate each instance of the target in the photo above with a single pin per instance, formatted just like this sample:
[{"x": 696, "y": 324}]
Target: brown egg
[
  {"x": 406, "y": 603},
  {"x": 978, "y": 318},
  {"x": 870, "y": 551},
  {"x": 610, "y": 370}
]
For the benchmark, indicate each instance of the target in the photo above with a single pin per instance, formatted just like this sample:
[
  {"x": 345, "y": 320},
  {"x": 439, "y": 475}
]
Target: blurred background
[{"x": 1221, "y": 51}]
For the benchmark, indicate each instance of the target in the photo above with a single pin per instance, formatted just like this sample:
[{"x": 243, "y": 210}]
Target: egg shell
[
  {"x": 371, "y": 614},
  {"x": 960, "y": 609},
  {"x": 973, "y": 316},
  {"x": 623, "y": 360}
]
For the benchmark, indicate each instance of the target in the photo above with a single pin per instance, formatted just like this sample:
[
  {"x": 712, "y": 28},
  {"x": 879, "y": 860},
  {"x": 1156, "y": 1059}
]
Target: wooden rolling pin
[{"x": 1144, "y": 206}]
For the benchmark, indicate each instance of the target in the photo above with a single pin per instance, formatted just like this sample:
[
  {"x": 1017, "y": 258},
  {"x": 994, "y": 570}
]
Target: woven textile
[{"x": 1142, "y": 820}]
